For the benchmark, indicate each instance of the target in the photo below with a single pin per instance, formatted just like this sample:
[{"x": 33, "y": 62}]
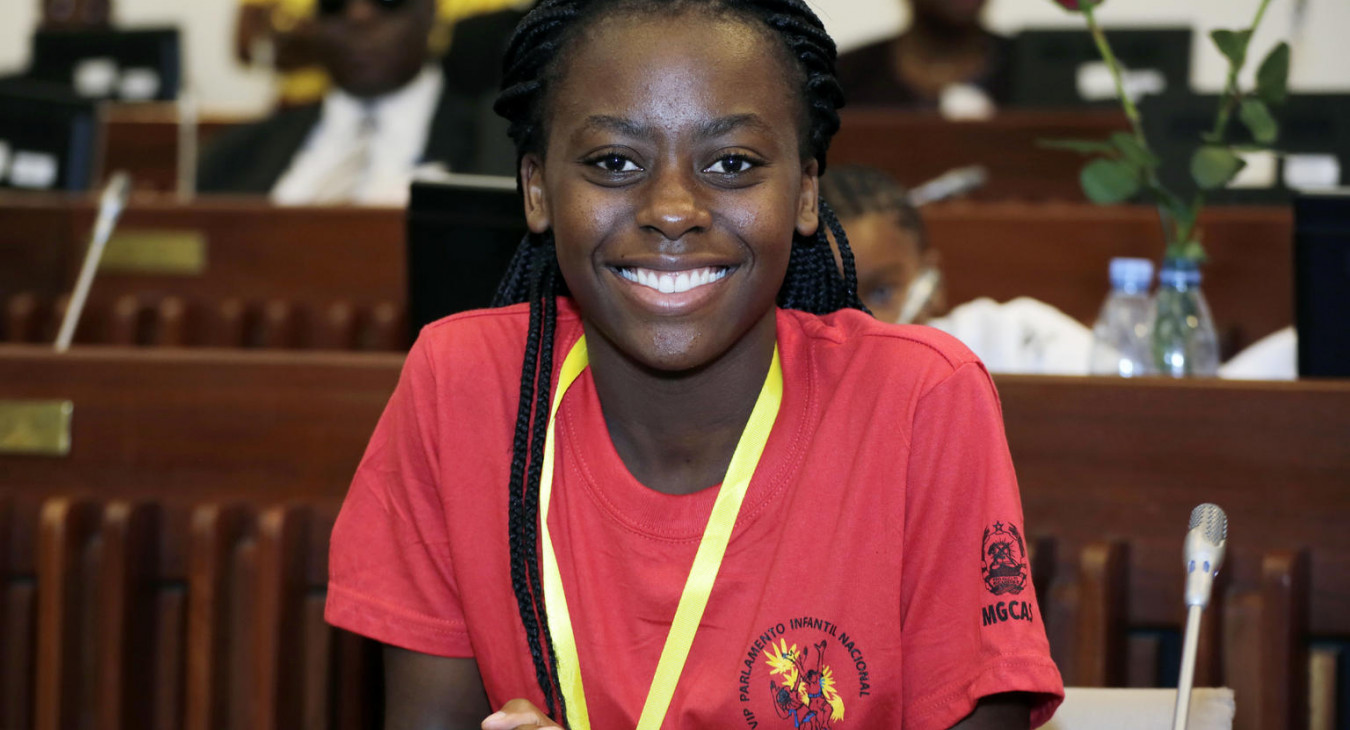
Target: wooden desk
[
  {"x": 1060, "y": 254},
  {"x": 917, "y": 147},
  {"x": 231, "y": 465},
  {"x": 334, "y": 277},
  {"x": 279, "y": 277},
  {"x": 143, "y": 140}
]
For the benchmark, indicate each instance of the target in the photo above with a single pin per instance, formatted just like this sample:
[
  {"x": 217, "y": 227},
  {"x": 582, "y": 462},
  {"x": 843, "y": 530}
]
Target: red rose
[{"x": 1074, "y": 4}]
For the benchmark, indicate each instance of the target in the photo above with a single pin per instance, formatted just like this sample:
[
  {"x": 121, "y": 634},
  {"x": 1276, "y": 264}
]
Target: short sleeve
[
  {"x": 970, "y": 624},
  {"x": 389, "y": 571}
]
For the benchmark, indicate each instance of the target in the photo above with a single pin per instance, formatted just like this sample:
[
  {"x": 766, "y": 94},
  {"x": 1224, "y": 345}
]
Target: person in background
[
  {"x": 76, "y": 14},
  {"x": 279, "y": 35},
  {"x": 390, "y": 111},
  {"x": 946, "y": 61},
  {"x": 899, "y": 279}
]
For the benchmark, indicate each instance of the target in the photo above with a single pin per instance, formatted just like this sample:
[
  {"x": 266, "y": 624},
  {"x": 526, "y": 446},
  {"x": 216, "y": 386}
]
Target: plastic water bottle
[
  {"x": 1121, "y": 336},
  {"x": 1184, "y": 342}
]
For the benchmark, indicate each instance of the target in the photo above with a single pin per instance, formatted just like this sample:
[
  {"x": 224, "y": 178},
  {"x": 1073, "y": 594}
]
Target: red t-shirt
[{"x": 877, "y": 573}]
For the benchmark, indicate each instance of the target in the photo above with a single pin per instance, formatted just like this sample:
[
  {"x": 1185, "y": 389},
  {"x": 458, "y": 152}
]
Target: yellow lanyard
[{"x": 707, "y": 561}]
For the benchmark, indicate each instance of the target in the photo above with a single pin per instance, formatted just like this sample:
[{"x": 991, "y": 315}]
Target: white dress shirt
[{"x": 363, "y": 151}]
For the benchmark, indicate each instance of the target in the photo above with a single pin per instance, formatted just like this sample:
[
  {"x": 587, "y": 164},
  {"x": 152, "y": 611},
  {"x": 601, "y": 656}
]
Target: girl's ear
[
  {"x": 808, "y": 210},
  {"x": 536, "y": 199}
]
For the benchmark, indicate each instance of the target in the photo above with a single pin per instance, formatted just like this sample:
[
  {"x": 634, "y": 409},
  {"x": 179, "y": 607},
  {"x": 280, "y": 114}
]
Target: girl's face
[
  {"x": 673, "y": 183},
  {"x": 888, "y": 259}
]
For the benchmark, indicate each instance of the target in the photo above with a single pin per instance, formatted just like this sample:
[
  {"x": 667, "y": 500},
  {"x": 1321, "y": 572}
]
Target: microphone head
[
  {"x": 1203, "y": 551},
  {"x": 1212, "y": 520}
]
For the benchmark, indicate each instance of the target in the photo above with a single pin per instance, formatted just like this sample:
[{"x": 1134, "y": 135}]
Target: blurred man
[
  {"x": 278, "y": 35},
  {"x": 390, "y": 110},
  {"x": 945, "y": 61}
]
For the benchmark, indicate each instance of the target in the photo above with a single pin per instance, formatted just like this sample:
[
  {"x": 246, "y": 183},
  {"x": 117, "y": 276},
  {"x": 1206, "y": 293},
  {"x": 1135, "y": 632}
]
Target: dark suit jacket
[{"x": 465, "y": 135}]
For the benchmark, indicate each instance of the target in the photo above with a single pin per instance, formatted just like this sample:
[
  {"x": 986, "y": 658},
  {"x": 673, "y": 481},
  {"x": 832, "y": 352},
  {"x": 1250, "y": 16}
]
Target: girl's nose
[{"x": 674, "y": 206}]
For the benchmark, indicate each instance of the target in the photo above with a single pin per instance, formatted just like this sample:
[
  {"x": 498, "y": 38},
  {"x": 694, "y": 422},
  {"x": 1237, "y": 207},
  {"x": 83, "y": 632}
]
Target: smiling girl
[{"x": 683, "y": 480}]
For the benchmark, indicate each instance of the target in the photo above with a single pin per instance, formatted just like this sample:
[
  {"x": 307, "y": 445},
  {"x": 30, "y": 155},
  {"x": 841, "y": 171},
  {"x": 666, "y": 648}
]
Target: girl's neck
[{"x": 676, "y": 432}]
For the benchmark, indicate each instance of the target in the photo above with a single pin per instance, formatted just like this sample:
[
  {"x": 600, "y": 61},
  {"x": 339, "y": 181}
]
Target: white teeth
[{"x": 674, "y": 282}]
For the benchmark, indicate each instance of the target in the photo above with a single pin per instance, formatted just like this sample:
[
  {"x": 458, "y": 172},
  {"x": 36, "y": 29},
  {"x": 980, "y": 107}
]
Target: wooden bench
[
  {"x": 225, "y": 273},
  {"x": 229, "y": 467},
  {"x": 334, "y": 278}
]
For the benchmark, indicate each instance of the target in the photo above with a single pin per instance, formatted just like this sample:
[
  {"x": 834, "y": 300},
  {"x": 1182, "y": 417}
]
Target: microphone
[
  {"x": 1202, "y": 556},
  {"x": 1204, "y": 552},
  {"x": 949, "y": 185},
  {"x": 110, "y": 206}
]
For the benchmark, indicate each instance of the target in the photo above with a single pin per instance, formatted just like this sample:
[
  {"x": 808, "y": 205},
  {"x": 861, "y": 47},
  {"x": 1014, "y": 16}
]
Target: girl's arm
[
  {"x": 425, "y": 692},
  {"x": 1007, "y": 711}
]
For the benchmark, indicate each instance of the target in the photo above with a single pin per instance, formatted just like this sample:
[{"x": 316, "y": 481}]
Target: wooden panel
[
  {"x": 1284, "y": 627},
  {"x": 1100, "y": 459},
  {"x": 143, "y": 140},
  {"x": 223, "y": 560},
  {"x": 285, "y": 268},
  {"x": 1060, "y": 254},
  {"x": 1100, "y": 645},
  {"x": 127, "y": 596},
  {"x": 335, "y": 276},
  {"x": 917, "y": 147}
]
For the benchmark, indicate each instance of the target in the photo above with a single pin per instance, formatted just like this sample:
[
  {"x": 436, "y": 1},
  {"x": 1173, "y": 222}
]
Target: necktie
[{"x": 349, "y": 171}]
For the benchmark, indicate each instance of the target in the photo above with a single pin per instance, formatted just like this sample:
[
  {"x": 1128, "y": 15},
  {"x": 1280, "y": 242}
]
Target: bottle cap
[
  {"x": 1179, "y": 273},
  {"x": 1132, "y": 275}
]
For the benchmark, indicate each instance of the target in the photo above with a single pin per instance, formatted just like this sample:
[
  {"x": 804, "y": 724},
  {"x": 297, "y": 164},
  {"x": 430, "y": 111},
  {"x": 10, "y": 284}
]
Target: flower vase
[{"x": 1184, "y": 342}]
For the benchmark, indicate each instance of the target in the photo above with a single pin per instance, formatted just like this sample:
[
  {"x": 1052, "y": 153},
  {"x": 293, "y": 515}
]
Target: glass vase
[{"x": 1184, "y": 342}]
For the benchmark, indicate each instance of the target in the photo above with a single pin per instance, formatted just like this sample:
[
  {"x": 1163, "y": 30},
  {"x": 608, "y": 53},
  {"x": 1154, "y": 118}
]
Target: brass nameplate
[
  {"x": 35, "y": 427},
  {"x": 175, "y": 253}
]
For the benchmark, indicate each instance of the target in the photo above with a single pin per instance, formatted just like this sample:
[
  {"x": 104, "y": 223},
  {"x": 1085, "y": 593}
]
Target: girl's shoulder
[
  {"x": 851, "y": 334},
  {"x": 482, "y": 341}
]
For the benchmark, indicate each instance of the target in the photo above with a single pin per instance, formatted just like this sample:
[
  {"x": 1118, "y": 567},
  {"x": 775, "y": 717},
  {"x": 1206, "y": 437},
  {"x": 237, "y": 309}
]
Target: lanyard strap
[{"x": 708, "y": 560}]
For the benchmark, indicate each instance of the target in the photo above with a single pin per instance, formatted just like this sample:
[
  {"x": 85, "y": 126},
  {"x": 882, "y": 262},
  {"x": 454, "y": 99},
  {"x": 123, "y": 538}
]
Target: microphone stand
[
  {"x": 110, "y": 206},
  {"x": 1188, "y": 651}
]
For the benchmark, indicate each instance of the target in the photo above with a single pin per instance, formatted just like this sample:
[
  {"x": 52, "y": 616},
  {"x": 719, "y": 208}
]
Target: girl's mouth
[{"x": 674, "y": 282}]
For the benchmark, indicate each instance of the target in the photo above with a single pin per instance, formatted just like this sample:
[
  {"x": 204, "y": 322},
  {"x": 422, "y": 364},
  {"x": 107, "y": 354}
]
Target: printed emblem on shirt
[
  {"x": 1004, "y": 566},
  {"x": 1005, "y": 559},
  {"x": 804, "y": 671}
]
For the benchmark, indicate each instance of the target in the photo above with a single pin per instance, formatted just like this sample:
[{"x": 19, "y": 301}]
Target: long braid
[
  {"x": 812, "y": 283},
  {"x": 538, "y": 439},
  {"x": 517, "y": 515}
]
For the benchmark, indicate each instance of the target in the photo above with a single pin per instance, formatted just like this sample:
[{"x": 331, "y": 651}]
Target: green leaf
[
  {"x": 1213, "y": 167},
  {"x": 1232, "y": 44},
  {"x": 1132, "y": 150},
  {"x": 1272, "y": 79},
  {"x": 1256, "y": 115},
  {"x": 1109, "y": 181},
  {"x": 1081, "y": 146}
]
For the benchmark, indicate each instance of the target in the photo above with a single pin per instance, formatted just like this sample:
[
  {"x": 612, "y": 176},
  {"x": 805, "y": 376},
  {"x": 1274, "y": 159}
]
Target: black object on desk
[
  {"x": 127, "y": 65},
  {"x": 462, "y": 232},
  {"x": 49, "y": 138},
  {"x": 1322, "y": 283},
  {"x": 1048, "y": 65}
]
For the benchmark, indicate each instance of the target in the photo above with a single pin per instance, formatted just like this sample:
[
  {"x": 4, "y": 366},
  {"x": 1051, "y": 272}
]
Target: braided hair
[{"x": 534, "y": 61}]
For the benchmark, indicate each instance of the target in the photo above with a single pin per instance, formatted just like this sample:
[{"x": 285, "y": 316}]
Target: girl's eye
[
  {"x": 731, "y": 165},
  {"x": 615, "y": 162}
]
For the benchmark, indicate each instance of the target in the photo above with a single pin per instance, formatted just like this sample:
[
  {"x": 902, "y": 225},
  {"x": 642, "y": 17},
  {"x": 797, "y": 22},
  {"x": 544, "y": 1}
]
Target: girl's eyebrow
[{"x": 706, "y": 130}]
